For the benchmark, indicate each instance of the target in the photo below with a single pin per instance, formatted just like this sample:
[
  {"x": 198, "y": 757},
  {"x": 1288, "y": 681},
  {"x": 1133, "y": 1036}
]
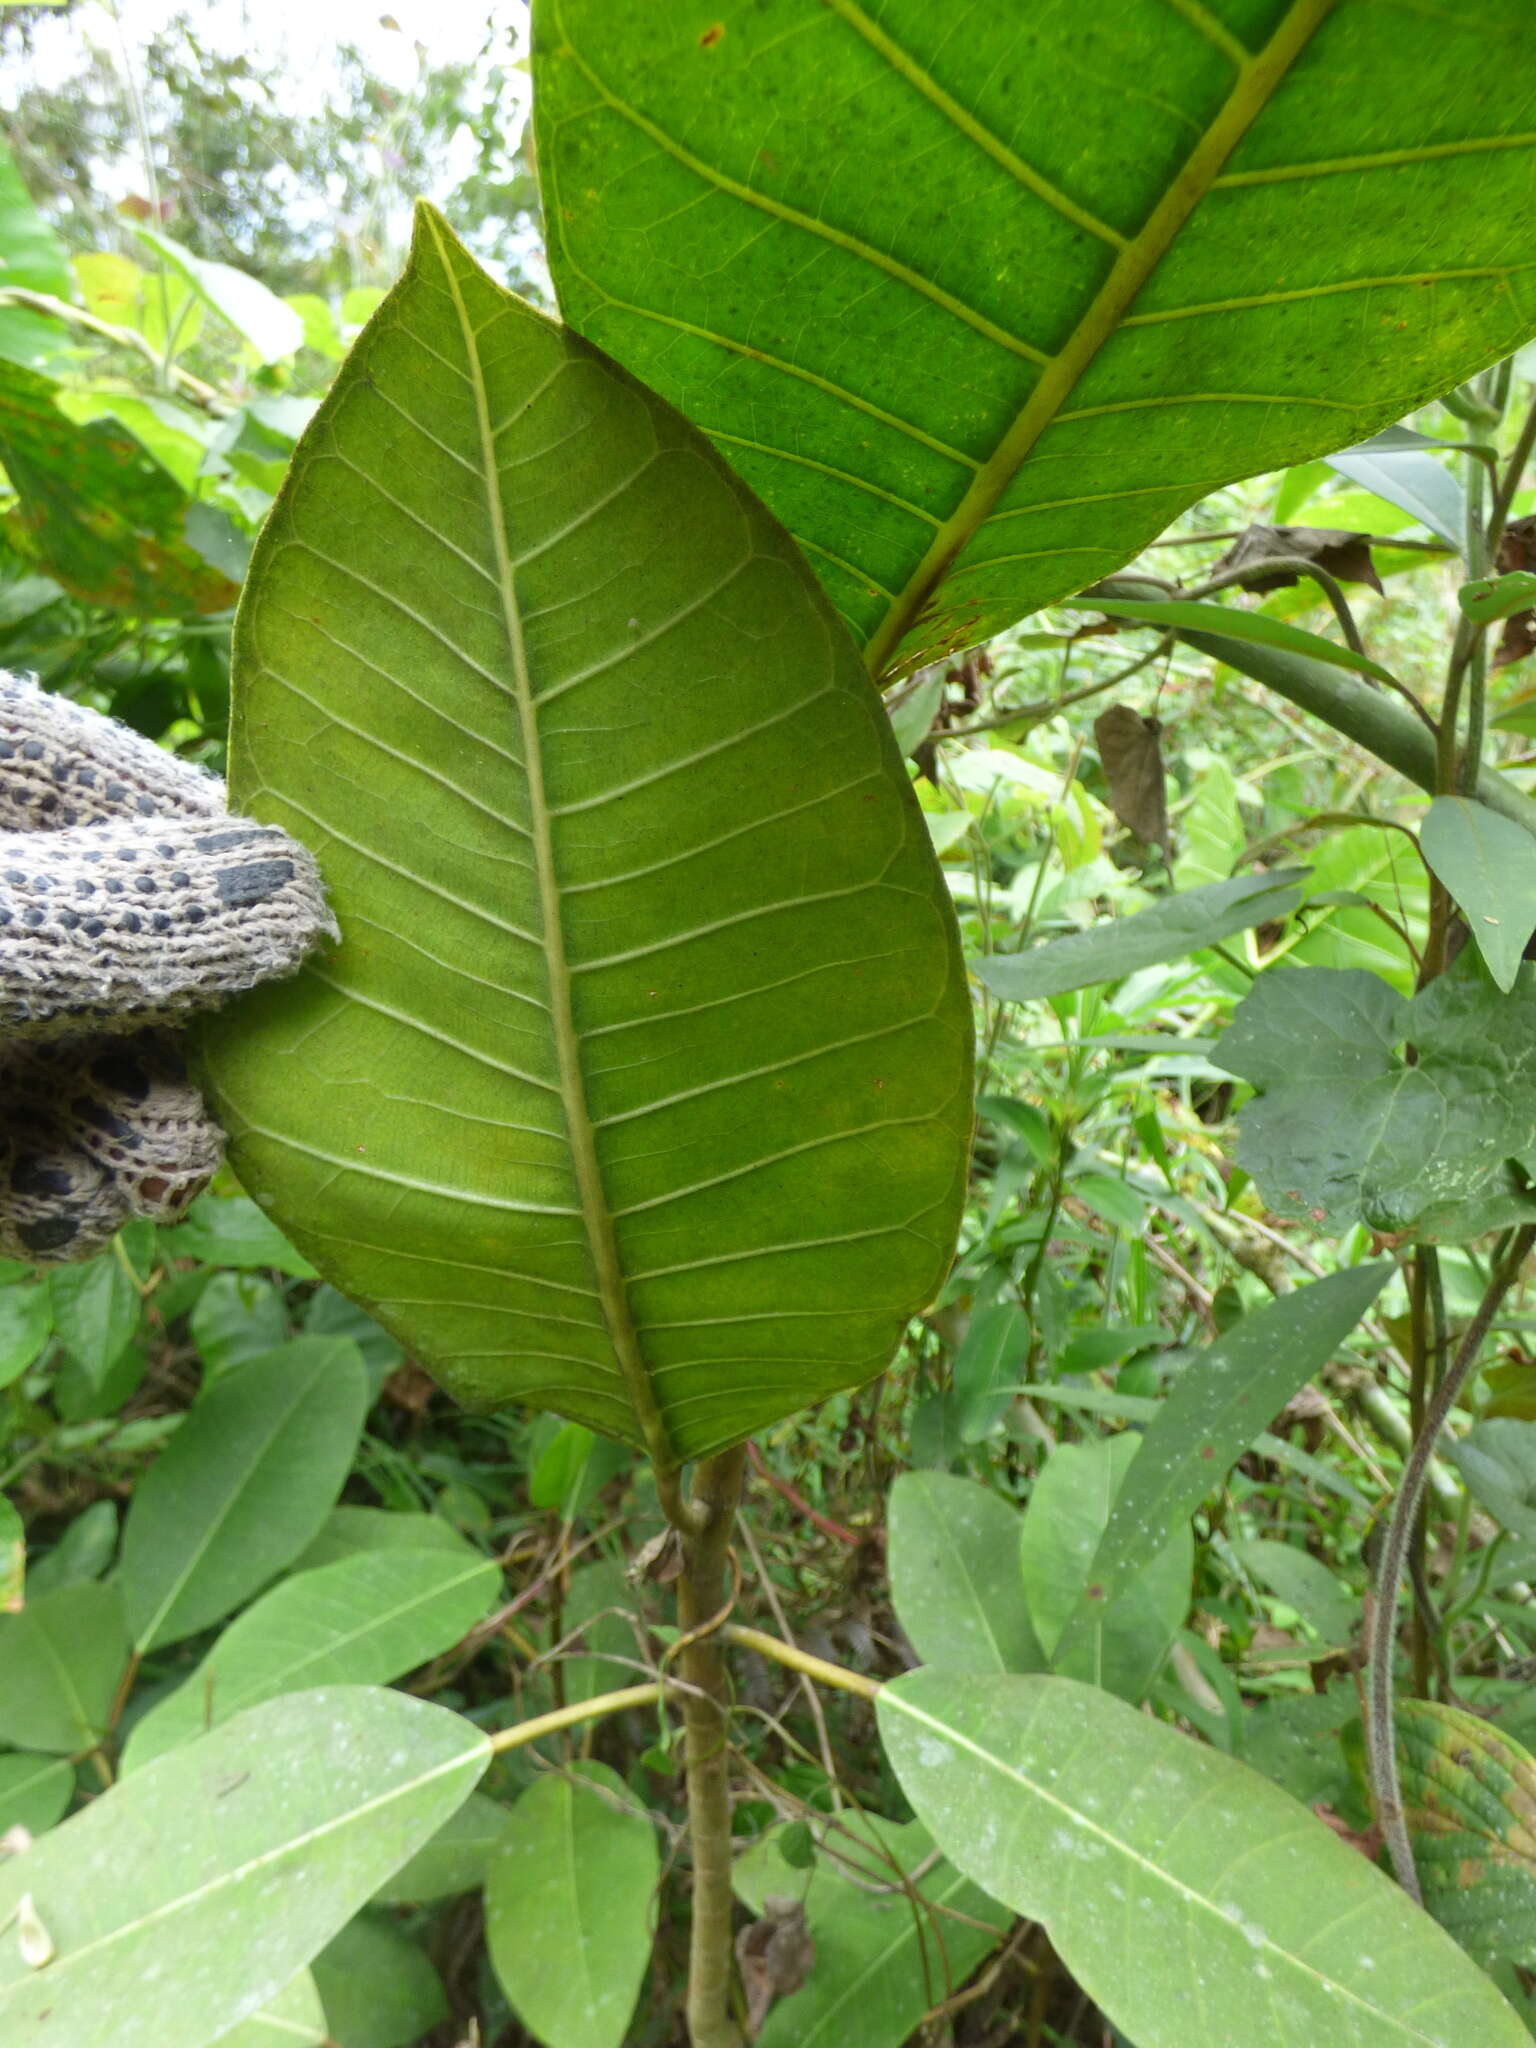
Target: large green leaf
[
  {"x": 217, "y": 1873},
  {"x": 1344, "y": 1127},
  {"x": 1196, "y": 1903},
  {"x": 569, "y": 1906},
  {"x": 983, "y": 301},
  {"x": 639, "y": 1088}
]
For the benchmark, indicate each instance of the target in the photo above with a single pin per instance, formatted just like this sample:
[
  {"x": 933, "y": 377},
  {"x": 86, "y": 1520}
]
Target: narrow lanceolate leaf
[
  {"x": 640, "y": 1086},
  {"x": 1219, "y": 1405},
  {"x": 224, "y": 1869},
  {"x": 1169, "y": 930},
  {"x": 1196, "y": 1903},
  {"x": 979, "y": 308},
  {"x": 1469, "y": 1793}
]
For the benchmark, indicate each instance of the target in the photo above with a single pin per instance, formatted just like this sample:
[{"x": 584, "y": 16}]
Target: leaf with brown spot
[
  {"x": 1469, "y": 1792},
  {"x": 1342, "y": 554},
  {"x": 1130, "y": 748}
]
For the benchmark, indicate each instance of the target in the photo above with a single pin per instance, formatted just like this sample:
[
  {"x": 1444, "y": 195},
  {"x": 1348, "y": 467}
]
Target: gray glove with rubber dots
[{"x": 129, "y": 899}]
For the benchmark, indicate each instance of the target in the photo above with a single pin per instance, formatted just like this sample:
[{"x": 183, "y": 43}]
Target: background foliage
[{"x": 230, "y": 1485}]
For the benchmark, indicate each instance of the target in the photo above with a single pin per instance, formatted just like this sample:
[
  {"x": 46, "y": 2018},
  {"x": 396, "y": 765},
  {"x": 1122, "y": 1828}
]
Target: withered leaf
[
  {"x": 775, "y": 1955},
  {"x": 1339, "y": 553},
  {"x": 1130, "y": 748},
  {"x": 1517, "y": 550}
]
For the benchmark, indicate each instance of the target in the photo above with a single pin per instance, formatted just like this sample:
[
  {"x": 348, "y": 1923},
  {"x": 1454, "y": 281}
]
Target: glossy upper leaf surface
[
  {"x": 639, "y": 1087},
  {"x": 980, "y": 299}
]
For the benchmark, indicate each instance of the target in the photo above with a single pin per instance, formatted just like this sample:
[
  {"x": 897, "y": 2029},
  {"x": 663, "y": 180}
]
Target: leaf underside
[
  {"x": 983, "y": 297},
  {"x": 639, "y": 1087}
]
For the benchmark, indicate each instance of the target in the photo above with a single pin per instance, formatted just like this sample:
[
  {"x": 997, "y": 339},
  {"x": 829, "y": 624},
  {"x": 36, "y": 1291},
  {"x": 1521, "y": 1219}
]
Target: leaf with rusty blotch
[
  {"x": 1470, "y": 1796},
  {"x": 97, "y": 512}
]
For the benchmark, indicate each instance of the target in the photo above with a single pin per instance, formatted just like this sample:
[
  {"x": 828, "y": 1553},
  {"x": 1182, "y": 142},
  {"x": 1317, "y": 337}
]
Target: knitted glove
[{"x": 129, "y": 898}]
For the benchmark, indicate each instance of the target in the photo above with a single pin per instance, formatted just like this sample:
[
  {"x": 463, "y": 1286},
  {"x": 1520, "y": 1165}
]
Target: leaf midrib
[
  {"x": 1152, "y": 1873},
  {"x": 596, "y": 1216},
  {"x": 1256, "y": 84}
]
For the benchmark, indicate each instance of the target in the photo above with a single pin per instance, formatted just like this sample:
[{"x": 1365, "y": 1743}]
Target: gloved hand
[{"x": 129, "y": 898}]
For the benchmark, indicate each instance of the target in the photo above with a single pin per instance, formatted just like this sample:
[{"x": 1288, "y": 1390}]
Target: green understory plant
[{"x": 639, "y": 1089}]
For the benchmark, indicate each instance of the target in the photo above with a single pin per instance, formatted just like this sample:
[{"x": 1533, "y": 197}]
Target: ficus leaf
[
  {"x": 639, "y": 1088},
  {"x": 978, "y": 309}
]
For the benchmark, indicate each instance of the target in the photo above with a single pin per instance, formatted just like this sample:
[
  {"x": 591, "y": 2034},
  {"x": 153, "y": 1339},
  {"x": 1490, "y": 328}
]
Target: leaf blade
[
  {"x": 621, "y": 1094},
  {"x": 1045, "y": 1792},
  {"x": 1112, "y": 307},
  {"x": 173, "y": 1870}
]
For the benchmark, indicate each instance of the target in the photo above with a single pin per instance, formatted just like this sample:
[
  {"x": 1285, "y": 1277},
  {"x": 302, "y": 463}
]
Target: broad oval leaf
[
  {"x": 640, "y": 1086},
  {"x": 978, "y": 310},
  {"x": 569, "y": 1906},
  {"x": 242, "y": 1487},
  {"x": 222, "y": 1870},
  {"x": 1196, "y": 1903}
]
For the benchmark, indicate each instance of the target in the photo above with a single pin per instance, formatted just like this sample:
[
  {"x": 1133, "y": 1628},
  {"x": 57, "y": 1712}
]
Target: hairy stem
[
  {"x": 1381, "y": 1746},
  {"x": 701, "y": 1601}
]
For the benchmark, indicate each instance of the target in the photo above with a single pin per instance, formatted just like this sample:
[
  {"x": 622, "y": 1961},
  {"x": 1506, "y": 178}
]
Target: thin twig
[{"x": 1382, "y": 1746}]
